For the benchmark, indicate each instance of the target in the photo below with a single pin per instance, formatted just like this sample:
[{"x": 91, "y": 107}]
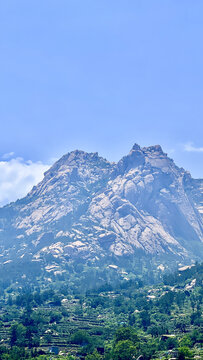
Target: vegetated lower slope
[
  {"x": 108, "y": 323},
  {"x": 90, "y": 211}
]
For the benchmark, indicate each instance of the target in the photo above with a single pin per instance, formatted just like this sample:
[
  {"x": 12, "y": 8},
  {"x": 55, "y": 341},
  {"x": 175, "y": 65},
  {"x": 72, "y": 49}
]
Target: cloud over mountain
[{"x": 18, "y": 176}]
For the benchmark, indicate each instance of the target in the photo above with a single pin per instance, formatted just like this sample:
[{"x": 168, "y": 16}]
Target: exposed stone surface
[{"x": 86, "y": 206}]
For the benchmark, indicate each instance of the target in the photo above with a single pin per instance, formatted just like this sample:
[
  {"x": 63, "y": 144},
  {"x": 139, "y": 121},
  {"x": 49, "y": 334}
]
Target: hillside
[{"x": 120, "y": 322}]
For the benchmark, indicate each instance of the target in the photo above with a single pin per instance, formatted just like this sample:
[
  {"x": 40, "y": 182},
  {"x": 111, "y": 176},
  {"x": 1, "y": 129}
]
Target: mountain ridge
[{"x": 89, "y": 208}]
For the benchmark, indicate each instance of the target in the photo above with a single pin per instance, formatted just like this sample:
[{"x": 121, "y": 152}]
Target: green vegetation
[{"x": 121, "y": 322}]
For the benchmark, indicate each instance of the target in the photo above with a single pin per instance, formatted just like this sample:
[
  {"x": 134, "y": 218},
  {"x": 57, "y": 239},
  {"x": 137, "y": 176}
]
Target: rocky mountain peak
[
  {"x": 154, "y": 149},
  {"x": 134, "y": 159},
  {"x": 93, "y": 207},
  {"x": 146, "y": 156},
  {"x": 78, "y": 162},
  {"x": 135, "y": 147}
]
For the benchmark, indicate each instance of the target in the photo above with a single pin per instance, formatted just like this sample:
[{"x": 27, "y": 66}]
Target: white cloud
[
  {"x": 8, "y": 155},
  {"x": 191, "y": 148},
  {"x": 17, "y": 177}
]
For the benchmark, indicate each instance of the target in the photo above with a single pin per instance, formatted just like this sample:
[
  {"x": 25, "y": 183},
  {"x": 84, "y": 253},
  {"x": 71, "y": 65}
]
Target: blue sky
[{"x": 100, "y": 76}]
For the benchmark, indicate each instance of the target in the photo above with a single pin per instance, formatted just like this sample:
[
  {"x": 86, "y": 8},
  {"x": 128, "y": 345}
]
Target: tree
[
  {"x": 18, "y": 335},
  {"x": 126, "y": 333},
  {"x": 81, "y": 337},
  {"x": 124, "y": 350},
  {"x": 17, "y": 353},
  {"x": 55, "y": 316},
  {"x": 186, "y": 341},
  {"x": 144, "y": 315},
  {"x": 184, "y": 353},
  {"x": 154, "y": 330},
  {"x": 171, "y": 343},
  {"x": 94, "y": 356}
]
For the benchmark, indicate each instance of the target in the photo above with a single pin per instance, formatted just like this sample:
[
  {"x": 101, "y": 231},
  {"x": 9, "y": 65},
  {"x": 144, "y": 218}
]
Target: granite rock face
[{"x": 86, "y": 207}]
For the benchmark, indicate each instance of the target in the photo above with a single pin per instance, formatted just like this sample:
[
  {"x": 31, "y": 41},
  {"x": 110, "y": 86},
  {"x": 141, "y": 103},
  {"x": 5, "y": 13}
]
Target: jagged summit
[
  {"x": 136, "y": 147},
  {"x": 78, "y": 158},
  {"x": 154, "y": 148},
  {"x": 152, "y": 156},
  {"x": 87, "y": 207}
]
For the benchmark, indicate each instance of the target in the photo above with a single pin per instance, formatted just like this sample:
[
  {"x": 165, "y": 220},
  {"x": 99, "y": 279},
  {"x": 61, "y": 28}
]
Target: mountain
[{"x": 89, "y": 209}]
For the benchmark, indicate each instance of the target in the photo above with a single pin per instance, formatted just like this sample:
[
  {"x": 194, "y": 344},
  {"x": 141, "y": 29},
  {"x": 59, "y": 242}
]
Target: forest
[{"x": 127, "y": 320}]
